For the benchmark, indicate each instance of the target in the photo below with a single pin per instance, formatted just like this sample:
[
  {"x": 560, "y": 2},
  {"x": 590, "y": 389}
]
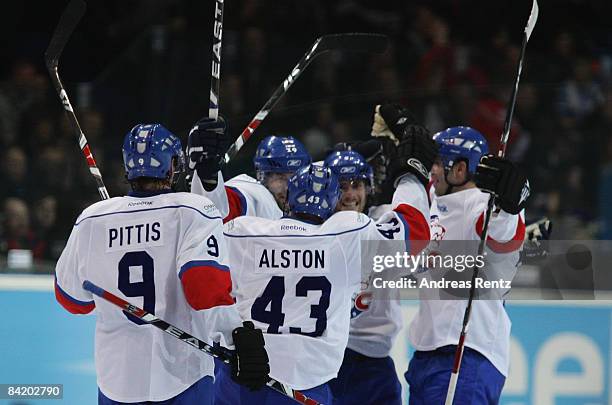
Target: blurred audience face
[
  {"x": 582, "y": 71},
  {"x": 15, "y": 164},
  {"x": 254, "y": 44},
  {"x": 17, "y": 217},
  {"x": 45, "y": 212},
  {"x": 564, "y": 44}
]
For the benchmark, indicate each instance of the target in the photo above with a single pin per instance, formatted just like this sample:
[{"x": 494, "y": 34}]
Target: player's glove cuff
[
  {"x": 206, "y": 148},
  {"x": 251, "y": 365}
]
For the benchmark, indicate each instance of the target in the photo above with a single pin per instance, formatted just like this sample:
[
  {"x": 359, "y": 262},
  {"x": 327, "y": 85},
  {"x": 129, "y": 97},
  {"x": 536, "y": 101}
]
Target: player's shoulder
[
  {"x": 100, "y": 208},
  {"x": 198, "y": 203},
  {"x": 345, "y": 221},
  {"x": 248, "y": 226},
  {"x": 242, "y": 179},
  {"x": 245, "y": 182}
]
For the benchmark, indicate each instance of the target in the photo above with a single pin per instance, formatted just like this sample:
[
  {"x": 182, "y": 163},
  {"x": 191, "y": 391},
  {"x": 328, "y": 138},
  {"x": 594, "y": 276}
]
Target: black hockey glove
[
  {"x": 415, "y": 154},
  {"x": 390, "y": 121},
  {"x": 250, "y": 366},
  {"x": 502, "y": 178},
  {"x": 206, "y": 148}
]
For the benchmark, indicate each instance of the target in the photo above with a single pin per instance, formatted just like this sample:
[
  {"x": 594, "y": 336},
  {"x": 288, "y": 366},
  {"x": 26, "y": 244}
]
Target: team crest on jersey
[
  {"x": 436, "y": 229},
  {"x": 361, "y": 303},
  {"x": 441, "y": 208}
]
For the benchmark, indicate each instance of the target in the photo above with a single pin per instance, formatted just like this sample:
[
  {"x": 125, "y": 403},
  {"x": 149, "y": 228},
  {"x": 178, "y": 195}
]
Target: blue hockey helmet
[
  {"x": 461, "y": 143},
  {"x": 149, "y": 150},
  {"x": 350, "y": 165},
  {"x": 280, "y": 154},
  {"x": 313, "y": 190}
]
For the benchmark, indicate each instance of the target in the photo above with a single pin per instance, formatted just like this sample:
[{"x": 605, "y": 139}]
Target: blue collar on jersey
[{"x": 143, "y": 194}]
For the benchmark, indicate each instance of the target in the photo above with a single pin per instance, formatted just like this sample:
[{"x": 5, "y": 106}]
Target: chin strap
[{"x": 450, "y": 186}]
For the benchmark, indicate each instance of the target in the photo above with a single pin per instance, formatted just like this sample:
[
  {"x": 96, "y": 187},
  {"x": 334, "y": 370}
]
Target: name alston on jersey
[{"x": 292, "y": 259}]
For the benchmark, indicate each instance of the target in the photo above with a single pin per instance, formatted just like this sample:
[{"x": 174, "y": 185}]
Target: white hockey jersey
[
  {"x": 460, "y": 216},
  {"x": 295, "y": 281},
  {"x": 376, "y": 317},
  {"x": 242, "y": 195},
  {"x": 165, "y": 253}
]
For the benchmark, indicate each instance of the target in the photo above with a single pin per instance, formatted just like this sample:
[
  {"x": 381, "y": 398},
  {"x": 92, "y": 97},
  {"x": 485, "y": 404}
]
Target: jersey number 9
[{"x": 129, "y": 264}]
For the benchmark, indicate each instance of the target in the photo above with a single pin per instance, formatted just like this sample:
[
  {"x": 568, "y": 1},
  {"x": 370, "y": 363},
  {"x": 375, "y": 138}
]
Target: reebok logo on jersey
[
  {"x": 294, "y": 162},
  {"x": 292, "y": 228},
  {"x": 412, "y": 162},
  {"x": 139, "y": 203}
]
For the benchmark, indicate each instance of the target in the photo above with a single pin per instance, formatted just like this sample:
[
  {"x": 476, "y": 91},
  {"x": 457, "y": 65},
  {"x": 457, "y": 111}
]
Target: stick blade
[
  {"x": 533, "y": 18},
  {"x": 354, "y": 42},
  {"x": 66, "y": 25}
]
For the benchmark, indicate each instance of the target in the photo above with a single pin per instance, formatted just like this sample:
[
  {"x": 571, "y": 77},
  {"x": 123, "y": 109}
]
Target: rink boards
[{"x": 561, "y": 351}]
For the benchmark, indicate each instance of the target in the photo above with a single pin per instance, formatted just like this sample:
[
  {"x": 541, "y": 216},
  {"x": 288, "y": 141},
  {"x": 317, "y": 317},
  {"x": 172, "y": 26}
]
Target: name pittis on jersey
[{"x": 129, "y": 235}]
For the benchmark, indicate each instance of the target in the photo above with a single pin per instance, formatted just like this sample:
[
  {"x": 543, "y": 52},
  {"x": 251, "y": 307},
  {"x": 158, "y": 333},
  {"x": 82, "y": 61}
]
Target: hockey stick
[
  {"x": 450, "y": 394},
  {"x": 222, "y": 353},
  {"x": 213, "y": 108},
  {"x": 67, "y": 23},
  {"x": 355, "y": 42}
]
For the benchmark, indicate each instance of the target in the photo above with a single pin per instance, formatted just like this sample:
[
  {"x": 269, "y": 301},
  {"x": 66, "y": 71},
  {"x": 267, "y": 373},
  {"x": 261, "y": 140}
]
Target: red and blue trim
[
  {"x": 504, "y": 247},
  {"x": 206, "y": 284},
  {"x": 416, "y": 228},
  {"x": 237, "y": 203},
  {"x": 70, "y": 303}
]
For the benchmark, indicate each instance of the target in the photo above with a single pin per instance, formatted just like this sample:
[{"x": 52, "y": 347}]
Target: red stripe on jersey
[
  {"x": 237, "y": 203},
  {"x": 72, "y": 305},
  {"x": 428, "y": 191},
  {"x": 503, "y": 247},
  {"x": 418, "y": 227},
  {"x": 207, "y": 287}
]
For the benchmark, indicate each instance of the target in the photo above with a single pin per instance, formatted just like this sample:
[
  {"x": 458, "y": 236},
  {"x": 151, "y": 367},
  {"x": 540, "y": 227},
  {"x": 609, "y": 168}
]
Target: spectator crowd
[{"x": 445, "y": 63}]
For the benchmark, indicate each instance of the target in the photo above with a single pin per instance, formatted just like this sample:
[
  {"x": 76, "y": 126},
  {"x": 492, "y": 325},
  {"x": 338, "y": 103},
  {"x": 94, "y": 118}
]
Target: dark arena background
[{"x": 450, "y": 62}]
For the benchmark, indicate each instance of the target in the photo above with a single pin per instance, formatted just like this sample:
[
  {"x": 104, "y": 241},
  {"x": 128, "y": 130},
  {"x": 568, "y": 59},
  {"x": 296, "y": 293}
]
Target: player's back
[
  {"x": 295, "y": 281},
  {"x": 137, "y": 248}
]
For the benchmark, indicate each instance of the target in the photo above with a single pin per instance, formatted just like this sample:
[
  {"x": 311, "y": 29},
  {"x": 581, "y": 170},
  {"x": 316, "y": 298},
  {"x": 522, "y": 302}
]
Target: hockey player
[
  {"x": 368, "y": 375},
  {"x": 276, "y": 159},
  {"x": 295, "y": 277},
  {"x": 462, "y": 178},
  {"x": 164, "y": 251}
]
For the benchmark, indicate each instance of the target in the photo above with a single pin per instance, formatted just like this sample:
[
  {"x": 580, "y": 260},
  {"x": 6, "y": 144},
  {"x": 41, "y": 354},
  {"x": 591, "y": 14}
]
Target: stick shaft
[
  {"x": 213, "y": 108},
  {"x": 274, "y": 98},
  {"x": 450, "y": 394},
  {"x": 222, "y": 353},
  {"x": 353, "y": 42},
  {"x": 68, "y": 22}
]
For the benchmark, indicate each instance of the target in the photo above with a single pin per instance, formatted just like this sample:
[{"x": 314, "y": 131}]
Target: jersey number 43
[{"x": 272, "y": 298}]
